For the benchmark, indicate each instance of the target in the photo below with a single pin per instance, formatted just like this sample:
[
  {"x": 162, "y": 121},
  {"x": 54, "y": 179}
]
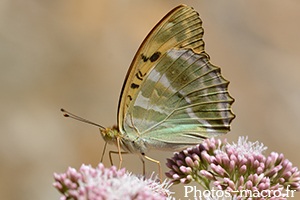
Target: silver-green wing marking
[{"x": 183, "y": 100}]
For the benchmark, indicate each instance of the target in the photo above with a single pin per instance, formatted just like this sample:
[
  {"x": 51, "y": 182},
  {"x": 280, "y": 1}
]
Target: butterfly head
[{"x": 110, "y": 134}]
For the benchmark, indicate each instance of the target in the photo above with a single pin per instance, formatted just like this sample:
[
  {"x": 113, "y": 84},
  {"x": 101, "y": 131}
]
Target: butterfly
[{"x": 172, "y": 96}]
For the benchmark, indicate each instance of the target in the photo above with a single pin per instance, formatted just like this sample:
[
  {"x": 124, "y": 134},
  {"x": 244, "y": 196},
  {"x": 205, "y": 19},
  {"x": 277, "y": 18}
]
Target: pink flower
[
  {"x": 108, "y": 183},
  {"x": 233, "y": 167}
]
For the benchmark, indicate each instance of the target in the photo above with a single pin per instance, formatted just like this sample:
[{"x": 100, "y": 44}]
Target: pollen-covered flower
[
  {"x": 108, "y": 183},
  {"x": 234, "y": 168}
]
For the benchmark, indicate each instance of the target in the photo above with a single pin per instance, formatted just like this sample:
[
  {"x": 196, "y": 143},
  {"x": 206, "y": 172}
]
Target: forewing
[{"x": 180, "y": 28}]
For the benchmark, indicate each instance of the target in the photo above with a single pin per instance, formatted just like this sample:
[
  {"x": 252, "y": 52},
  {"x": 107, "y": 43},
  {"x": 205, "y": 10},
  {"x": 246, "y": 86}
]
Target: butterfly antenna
[{"x": 71, "y": 115}]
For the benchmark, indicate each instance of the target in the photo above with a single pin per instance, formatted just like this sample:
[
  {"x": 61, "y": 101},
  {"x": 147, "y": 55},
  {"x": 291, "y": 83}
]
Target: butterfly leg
[
  {"x": 115, "y": 152},
  {"x": 144, "y": 169},
  {"x": 103, "y": 152},
  {"x": 159, "y": 167}
]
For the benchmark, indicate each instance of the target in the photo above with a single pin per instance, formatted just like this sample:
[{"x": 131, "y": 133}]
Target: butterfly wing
[
  {"x": 181, "y": 28},
  {"x": 173, "y": 96},
  {"x": 182, "y": 101}
]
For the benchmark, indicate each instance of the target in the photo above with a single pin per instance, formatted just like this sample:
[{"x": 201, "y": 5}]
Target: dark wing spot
[
  {"x": 130, "y": 98},
  {"x": 139, "y": 75},
  {"x": 155, "y": 56},
  {"x": 144, "y": 58},
  {"x": 134, "y": 86}
]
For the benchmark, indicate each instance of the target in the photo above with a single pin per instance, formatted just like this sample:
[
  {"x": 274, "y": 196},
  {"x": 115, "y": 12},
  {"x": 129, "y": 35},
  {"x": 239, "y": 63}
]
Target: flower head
[
  {"x": 233, "y": 167},
  {"x": 108, "y": 183}
]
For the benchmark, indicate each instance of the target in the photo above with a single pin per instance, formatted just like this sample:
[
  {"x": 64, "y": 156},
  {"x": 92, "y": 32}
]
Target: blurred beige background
[{"x": 75, "y": 54}]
